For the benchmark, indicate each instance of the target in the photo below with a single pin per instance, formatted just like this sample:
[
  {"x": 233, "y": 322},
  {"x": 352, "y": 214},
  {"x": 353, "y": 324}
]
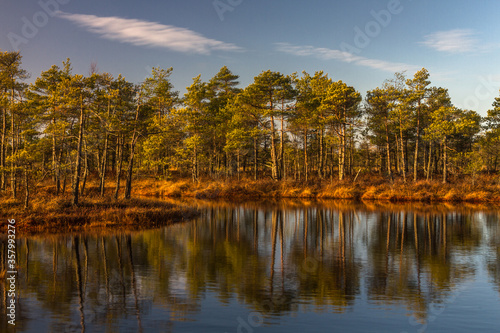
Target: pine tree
[
  {"x": 342, "y": 101},
  {"x": 263, "y": 96},
  {"x": 11, "y": 89},
  {"x": 418, "y": 93}
]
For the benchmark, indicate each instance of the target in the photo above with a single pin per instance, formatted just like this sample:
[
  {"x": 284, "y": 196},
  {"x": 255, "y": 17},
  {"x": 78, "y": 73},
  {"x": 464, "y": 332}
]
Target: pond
[{"x": 270, "y": 267}]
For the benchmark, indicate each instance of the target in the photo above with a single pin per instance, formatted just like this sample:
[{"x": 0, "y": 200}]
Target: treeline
[{"x": 66, "y": 127}]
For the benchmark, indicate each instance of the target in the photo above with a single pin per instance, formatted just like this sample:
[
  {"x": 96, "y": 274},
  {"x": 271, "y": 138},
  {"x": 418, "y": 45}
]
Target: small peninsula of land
[{"x": 57, "y": 215}]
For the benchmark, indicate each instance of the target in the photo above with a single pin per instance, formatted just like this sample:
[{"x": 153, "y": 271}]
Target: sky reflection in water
[{"x": 271, "y": 268}]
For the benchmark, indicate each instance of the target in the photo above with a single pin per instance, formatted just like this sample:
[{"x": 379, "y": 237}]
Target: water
[{"x": 284, "y": 267}]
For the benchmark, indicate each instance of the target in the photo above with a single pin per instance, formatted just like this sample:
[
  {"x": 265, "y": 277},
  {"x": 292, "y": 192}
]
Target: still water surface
[{"x": 284, "y": 267}]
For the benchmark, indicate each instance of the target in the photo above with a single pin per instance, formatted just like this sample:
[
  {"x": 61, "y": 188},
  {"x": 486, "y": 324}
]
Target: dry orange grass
[
  {"x": 58, "y": 215},
  {"x": 485, "y": 189},
  {"x": 341, "y": 191}
]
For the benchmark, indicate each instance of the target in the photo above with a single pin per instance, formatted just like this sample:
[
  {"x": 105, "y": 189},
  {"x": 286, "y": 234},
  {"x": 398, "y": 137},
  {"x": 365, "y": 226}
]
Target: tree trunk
[
  {"x": 429, "y": 165},
  {"x": 402, "y": 146},
  {"x": 306, "y": 162},
  {"x": 78, "y": 167},
  {"x": 102, "y": 183},
  {"x": 417, "y": 139},
  {"x": 255, "y": 160},
  {"x": 128, "y": 184},
  {"x": 13, "y": 179},
  {"x": 445, "y": 160},
  {"x": 398, "y": 156},
  {"x": 194, "y": 171},
  {"x": 321, "y": 154},
  {"x": 238, "y": 164},
  {"x": 342, "y": 145},
  {"x": 85, "y": 171},
  {"x": 55, "y": 160},
  {"x": 130, "y": 169},
  {"x": 26, "y": 188},
  {"x": 63, "y": 189},
  {"x": 388, "y": 149},
  {"x": 282, "y": 151},
  {"x": 119, "y": 143},
  {"x": 351, "y": 156},
  {"x": 274, "y": 155}
]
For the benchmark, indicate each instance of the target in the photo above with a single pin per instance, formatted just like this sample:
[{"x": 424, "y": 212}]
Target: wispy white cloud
[
  {"x": 332, "y": 54},
  {"x": 145, "y": 33},
  {"x": 453, "y": 41}
]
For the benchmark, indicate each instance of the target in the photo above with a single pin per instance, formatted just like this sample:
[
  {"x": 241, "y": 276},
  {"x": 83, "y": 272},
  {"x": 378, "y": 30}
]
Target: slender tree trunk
[
  {"x": 321, "y": 154},
  {"x": 255, "y": 158},
  {"x": 306, "y": 162},
  {"x": 388, "y": 149},
  {"x": 407, "y": 157},
  {"x": 128, "y": 184},
  {"x": 342, "y": 147},
  {"x": 398, "y": 156},
  {"x": 417, "y": 139},
  {"x": 274, "y": 155},
  {"x": 282, "y": 149},
  {"x": 402, "y": 146},
  {"x": 64, "y": 171},
  {"x": 130, "y": 169},
  {"x": 13, "y": 179},
  {"x": 445, "y": 161},
  {"x": 424, "y": 159},
  {"x": 225, "y": 164},
  {"x": 26, "y": 188},
  {"x": 85, "y": 171},
  {"x": 285, "y": 175},
  {"x": 211, "y": 164},
  {"x": 119, "y": 165},
  {"x": 429, "y": 165},
  {"x": 55, "y": 160},
  {"x": 194, "y": 171},
  {"x": 102, "y": 184},
  {"x": 238, "y": 164},
  {"x": 78, "y": 167},
  {"x": 351, "y": 156}
]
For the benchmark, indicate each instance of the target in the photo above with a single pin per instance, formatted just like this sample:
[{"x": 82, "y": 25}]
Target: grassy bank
[
  {"x": 483, "y": 189},
  {"x": 48, "y": 213},
  {"x": 56, "y": 215}
]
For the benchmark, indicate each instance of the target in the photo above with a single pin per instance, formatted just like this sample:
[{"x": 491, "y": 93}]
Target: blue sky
[{"x": 359, "y": 42}]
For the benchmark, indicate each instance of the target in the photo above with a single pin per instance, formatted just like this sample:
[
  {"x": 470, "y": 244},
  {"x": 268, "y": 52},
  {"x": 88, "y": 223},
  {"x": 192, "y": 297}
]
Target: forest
[{"x": 65, "y": 130}]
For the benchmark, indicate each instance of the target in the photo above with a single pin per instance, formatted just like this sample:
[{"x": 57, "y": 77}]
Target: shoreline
[
  {"x": 151, "y": 208},
  {"x": 58, "y": 216},
  {"x": 484, "y": 191}
]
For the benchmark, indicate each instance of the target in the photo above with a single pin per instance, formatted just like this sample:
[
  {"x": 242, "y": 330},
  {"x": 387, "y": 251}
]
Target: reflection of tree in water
[
  {"x": 277, "y": 261},
  {"x": 21, "y": 315},
  {"x": 415, "y": 259},
  {"x": 94, "y": 279},
  {"x": 235, "y": 253},
  {"x": 493, "y": 257},
  {"x": 324, "y": 258}
]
